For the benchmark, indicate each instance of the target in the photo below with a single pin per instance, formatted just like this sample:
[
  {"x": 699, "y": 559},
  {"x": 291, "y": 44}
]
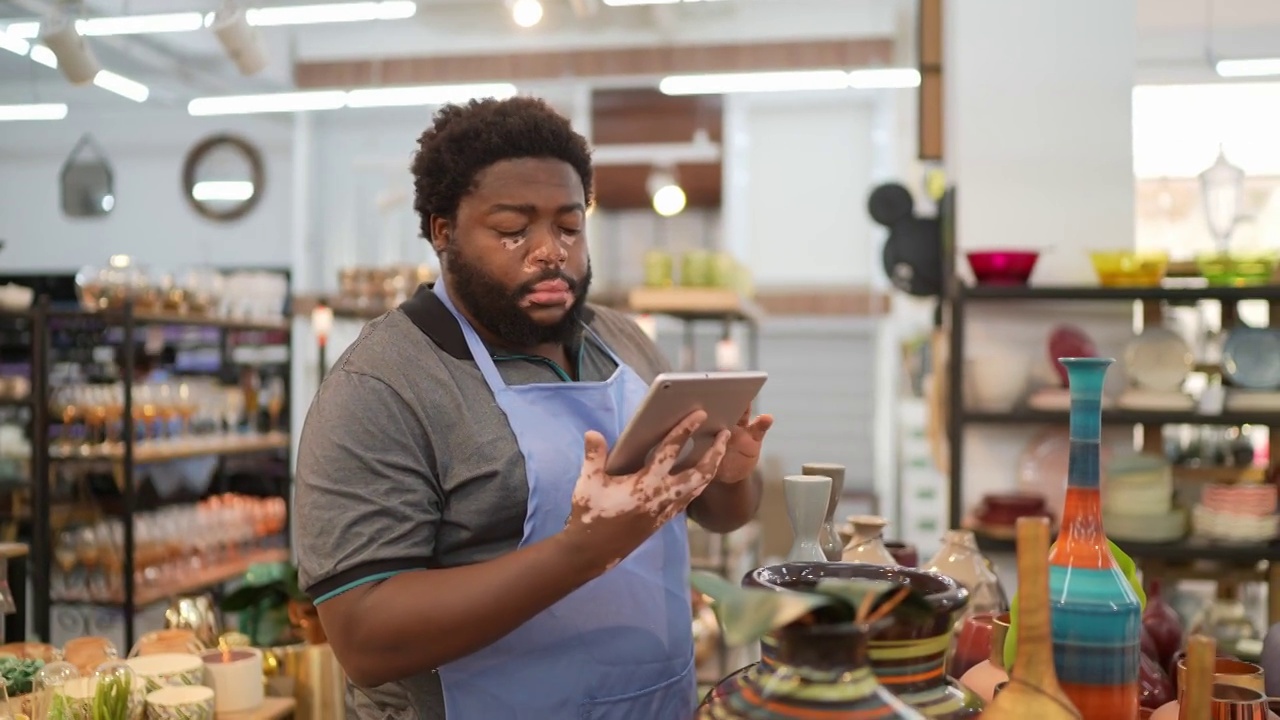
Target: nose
[{"x": 546, "y": 250}]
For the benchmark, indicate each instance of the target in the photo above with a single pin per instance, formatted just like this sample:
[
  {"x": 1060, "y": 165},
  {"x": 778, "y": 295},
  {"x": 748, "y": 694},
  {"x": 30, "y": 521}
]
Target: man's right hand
[{"x": 612, "y": 515}]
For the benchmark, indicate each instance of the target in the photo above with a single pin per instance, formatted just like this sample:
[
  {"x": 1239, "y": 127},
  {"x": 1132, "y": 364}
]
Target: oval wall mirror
[{"x": 223, "y": 177}]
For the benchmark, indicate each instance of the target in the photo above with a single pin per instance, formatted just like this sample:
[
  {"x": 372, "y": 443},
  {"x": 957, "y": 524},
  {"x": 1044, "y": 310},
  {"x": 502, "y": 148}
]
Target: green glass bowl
[{"x": 1237, "y": 269}]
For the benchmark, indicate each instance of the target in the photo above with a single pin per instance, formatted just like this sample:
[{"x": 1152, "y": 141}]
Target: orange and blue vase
[{"x": 1096, "y": 614}]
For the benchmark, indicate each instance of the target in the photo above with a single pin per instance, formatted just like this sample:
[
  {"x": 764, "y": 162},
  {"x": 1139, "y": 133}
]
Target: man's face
[{"x": 516, "y": 258}]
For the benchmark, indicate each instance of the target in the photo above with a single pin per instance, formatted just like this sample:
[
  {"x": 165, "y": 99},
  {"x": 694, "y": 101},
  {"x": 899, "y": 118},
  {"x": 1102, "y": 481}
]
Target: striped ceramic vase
[
  {"x": 815, "y": 672},
  {"x": 1096, "y": 614}
]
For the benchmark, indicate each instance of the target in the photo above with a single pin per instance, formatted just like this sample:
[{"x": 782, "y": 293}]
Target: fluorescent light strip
[
  {"x": 226, "y": 190},
  {"x": 40, "y": 111},
  {"x": 122, "y": 86},
  {"x": 800, "y": 80},
  {"x": 1256, "y": 67},
  {"x": 14, "y": 44},
  {"x": 266, "y": 17},
  {"x": 633, "y": 3},
  {"x": 338, "y": 99}
]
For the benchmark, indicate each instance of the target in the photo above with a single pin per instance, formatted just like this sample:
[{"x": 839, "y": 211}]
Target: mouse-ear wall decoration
[{"x": 912, "y": 254}]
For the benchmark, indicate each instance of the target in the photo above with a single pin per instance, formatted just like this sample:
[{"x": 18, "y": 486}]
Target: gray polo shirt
[{"x": 406, "y": 462}]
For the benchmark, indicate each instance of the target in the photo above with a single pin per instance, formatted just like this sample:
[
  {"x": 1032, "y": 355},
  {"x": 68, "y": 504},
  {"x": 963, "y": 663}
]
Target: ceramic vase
[
  {"x": 866, "y": 544},
  {"x": 1271, "y": 660},
  {"x": 984, "y": 677},
  {"x": 807, "y": 497},
  {"x": 1033, "y": 691},
  {"x": 830, "y": 537},
  {"x": 960, "y": 558},
  {"x": 907, "y": 656},
  {"x": 1097, "y": 620},
  {"x": 814, "y": 671}
]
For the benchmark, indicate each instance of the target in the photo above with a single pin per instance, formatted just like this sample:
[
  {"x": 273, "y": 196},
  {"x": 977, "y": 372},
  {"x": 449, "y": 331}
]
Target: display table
[{"x": 273, "y": 708}]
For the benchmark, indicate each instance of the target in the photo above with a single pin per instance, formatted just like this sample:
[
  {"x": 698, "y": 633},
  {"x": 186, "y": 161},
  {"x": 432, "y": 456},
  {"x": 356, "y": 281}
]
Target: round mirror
[{"x": 223, "y": 177}]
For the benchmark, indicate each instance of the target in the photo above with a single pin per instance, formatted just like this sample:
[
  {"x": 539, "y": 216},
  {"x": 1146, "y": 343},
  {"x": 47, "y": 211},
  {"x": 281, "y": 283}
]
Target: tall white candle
[{"x": 235, "y": 674}]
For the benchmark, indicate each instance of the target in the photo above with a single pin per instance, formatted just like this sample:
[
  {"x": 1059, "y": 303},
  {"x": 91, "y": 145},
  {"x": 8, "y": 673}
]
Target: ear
[{"x": 441, "y": 230}]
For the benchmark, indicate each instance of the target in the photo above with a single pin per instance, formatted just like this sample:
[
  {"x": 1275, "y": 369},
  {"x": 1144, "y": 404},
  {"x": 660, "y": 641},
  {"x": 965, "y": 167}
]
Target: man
[{"x": 469, "y": 557}]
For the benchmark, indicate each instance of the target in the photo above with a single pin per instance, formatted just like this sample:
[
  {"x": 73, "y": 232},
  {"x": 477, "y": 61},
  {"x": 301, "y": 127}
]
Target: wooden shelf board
[
  {"x": 149, "y": 452},
  {"x": 693, "y": 303},
  {"x": 273, "y": 708},
  {"x": 117, "y": 317},
  {"x": 1125, "y": 417},
  {"x": 1093, "y": 292},
  {"x": 208, "y": 577}
]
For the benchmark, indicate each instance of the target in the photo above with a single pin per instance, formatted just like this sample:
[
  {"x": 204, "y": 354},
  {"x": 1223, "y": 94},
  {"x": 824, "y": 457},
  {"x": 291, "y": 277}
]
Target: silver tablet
[{"x": 725, "y": 396}]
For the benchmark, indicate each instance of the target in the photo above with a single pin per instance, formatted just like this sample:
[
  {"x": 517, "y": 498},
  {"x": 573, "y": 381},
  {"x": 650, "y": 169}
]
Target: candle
[{"x": 235, "y": 674}]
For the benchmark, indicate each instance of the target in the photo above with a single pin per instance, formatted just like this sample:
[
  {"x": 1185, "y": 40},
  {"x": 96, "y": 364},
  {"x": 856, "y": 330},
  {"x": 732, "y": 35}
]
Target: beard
[{"x": 498, "y": 308}]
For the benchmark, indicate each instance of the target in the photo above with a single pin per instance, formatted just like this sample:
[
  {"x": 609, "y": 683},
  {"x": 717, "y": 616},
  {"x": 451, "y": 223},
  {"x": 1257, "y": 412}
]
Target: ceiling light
[
  {"x": 14, "y": 44},
  {"x": 268, "y": 103},
  {"x": 789, "y": 81},
  {"x": 337, "y": 99},
  {"x": 1256, "y": 67},
  {"x": 27, "y": 30},
  {"x": 426, "y": 95},
  {"x": 526, "y": 13},
  {"x": 75, "y": 57},
  {"x": 42, "y": 111},
  {"x": 121, "y": 85},
  {"x": 140, "y": 24},
  {"x": 665, "y": 193},
  {"x": 44, "y": 56},
  {"x": 884, "y": 79},
  {"x": 630, "y": 3},
  {"x": 332, "y": 13}
]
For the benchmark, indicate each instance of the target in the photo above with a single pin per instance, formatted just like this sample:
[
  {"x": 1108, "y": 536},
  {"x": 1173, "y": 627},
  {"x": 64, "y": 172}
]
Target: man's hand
[{"x": 743, "y": 452}]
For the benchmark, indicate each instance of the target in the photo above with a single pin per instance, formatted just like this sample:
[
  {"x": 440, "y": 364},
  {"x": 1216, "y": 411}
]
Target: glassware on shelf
[{"x": 1096, "y": 613}]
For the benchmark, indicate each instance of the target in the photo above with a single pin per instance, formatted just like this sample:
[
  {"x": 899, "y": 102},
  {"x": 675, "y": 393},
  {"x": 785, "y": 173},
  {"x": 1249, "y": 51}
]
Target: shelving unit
[
  {"x": 121, "y": 461},
  {"x": 1151, "y": 299}
]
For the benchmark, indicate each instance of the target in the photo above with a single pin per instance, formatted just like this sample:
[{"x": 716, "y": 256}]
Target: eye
[
  {"x": 511, "y": 233},
  {"x": 571, "y": 232}
]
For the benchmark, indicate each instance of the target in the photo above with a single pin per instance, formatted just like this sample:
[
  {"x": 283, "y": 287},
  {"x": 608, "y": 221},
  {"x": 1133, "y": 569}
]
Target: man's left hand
[{"x": 745, "y": 441}]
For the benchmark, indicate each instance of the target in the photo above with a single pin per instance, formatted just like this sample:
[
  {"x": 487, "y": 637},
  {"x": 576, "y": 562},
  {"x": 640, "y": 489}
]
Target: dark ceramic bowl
[
  {"x": 905, "y": 553},
  {"x": 1002, "y": 267},
  {"x": 946, "y": 596}
]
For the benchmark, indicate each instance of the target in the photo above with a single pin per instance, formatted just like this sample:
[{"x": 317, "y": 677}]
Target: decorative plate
[
  {"x": 1251, "y": 358},
  {"x": 1158, "y": 359}
]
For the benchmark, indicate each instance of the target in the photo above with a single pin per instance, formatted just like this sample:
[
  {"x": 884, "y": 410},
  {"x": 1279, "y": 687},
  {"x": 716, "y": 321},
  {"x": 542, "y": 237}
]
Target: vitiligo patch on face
[{"x": 512, "y": 243}]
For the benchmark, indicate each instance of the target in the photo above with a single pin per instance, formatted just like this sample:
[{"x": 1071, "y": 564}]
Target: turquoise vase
[{"x": 1097, "y": 617}]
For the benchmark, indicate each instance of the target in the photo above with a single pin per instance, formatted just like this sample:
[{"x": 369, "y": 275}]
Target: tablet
[{"x": 725, "y": 396}]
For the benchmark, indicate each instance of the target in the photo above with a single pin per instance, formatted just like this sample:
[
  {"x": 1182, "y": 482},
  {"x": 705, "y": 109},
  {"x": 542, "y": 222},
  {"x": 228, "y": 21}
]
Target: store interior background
[{"x": 1068, "y": 124}]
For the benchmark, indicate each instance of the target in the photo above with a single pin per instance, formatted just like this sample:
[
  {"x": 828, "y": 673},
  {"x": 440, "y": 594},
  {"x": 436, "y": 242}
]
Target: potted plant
[{"x": 272, "y": 609}]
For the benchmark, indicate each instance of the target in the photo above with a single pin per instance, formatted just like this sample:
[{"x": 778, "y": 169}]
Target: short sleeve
[{"x": 367, "y": 503}]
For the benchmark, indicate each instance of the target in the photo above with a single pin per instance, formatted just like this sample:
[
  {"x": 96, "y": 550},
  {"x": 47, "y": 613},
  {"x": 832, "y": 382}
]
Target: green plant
[
  {"x": 111, "y": 698},
  {"x": 747, "y": 614},
  {"x": 262, "y": 601},
  {"x": 19, "y": 674},
  {"x": 59, "y": 707}
]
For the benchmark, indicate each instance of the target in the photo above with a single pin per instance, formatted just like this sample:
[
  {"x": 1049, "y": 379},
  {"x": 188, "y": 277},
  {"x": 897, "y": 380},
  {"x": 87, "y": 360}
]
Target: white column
[{"x": 1039, "y": 144}]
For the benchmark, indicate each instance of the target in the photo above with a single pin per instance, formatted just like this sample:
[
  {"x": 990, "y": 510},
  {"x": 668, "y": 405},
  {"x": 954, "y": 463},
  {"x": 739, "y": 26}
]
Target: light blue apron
[{"x": 619, "y": 647}]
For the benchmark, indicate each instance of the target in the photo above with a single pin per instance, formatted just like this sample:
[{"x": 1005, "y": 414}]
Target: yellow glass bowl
[
  {"x": 1130, "y": 268},
  {"x": 1238, "y": 269}
]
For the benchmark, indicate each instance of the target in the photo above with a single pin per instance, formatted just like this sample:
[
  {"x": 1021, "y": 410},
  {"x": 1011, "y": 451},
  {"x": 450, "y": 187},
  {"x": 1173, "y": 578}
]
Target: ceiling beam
[{"x": 629, "y": 62}]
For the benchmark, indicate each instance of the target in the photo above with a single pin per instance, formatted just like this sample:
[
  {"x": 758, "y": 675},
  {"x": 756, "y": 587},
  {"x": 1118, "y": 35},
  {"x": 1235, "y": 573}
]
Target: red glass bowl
[{"x": 1002, "y": 267}]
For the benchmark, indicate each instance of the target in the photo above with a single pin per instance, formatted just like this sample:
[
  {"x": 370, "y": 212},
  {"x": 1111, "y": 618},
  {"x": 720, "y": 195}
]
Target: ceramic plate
[
  {"x": 1251, "y": 358},
  {"x": 1158, "y": 359}
]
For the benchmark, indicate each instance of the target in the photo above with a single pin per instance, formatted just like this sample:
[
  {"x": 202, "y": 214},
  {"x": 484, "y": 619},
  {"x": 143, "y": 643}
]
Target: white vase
[
  {"x": 830, "y": 537},
  {"x": 807, "y": 497}
]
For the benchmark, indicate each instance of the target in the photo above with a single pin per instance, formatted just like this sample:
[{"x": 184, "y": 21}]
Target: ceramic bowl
[
  {"x": 1160, "y": 527},
  {"x": 1237, "y": 269},
  {"x": 1002, "y": 267},
  {"x": 193, "y": 702},
  {"x": 1130, "y": 268},
  {"x": 164, "y": 669},
  {"x": 1253, "y": 500}
]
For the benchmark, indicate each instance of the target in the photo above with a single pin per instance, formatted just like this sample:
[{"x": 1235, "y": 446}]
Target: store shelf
[
  {"x": 208, "y": 577},
  {"x": 273, "y": 708},
  {"x": 693, "y": 303},
  {"x": 117, "y": 317},
  {"x": 1126, "y": 417},
  {"x": 163, "y": 451},
  {"x": 1085, "y": 292},
  {"x": 1185, "y": 550}
]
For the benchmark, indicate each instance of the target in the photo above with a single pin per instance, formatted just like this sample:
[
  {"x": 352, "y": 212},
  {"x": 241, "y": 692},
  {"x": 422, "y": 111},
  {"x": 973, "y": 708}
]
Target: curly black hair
[{"x": 465, "y": 139}]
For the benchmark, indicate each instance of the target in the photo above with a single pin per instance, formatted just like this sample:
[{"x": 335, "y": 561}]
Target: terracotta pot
[{"x": 908, "y": 657}]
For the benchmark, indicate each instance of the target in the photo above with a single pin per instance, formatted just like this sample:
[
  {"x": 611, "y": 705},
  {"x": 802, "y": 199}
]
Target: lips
[{"x": 550, "y": 293}]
